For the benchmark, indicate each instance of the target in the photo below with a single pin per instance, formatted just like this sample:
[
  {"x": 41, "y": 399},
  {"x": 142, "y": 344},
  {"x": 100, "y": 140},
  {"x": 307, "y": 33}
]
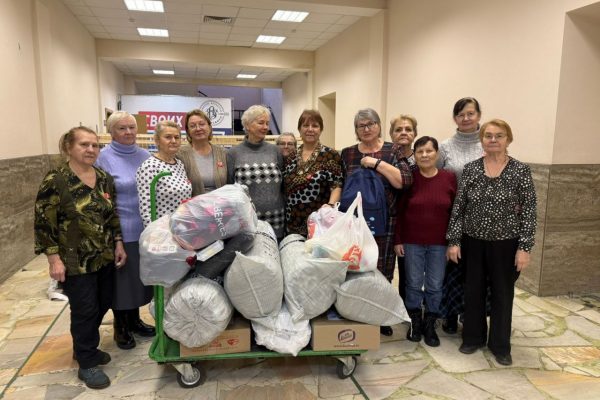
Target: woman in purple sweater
[
  {"x": 423, "y": 215},
  {"x": 121, "y": 158}
]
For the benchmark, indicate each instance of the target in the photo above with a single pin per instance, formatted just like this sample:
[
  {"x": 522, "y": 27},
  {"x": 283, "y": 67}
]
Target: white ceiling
[{"x": 110, "y": 19}]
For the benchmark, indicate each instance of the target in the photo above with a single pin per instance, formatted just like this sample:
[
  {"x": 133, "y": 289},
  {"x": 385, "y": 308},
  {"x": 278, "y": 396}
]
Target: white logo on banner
[{"x": 214, "y": 110}]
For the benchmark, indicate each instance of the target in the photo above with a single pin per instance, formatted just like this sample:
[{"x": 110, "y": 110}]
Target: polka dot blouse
[
  {"x": 170, "y": 190},
  {"x": 495, "y": 208}
]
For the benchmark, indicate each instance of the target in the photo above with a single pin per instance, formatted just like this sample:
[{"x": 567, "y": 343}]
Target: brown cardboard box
[
  {"x": 343, "y": 335},
  {"x": 235, "y": 339}
]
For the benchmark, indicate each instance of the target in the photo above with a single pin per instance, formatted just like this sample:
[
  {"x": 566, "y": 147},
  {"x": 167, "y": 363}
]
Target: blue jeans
[{"x": 425, "y": 266}]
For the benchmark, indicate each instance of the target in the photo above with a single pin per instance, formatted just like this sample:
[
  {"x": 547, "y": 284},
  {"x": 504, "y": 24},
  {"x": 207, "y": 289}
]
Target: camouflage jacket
[{"x": 97, "y": 217}]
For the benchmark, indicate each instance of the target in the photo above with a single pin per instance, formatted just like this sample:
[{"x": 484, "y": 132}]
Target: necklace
[
  {"x": 171, "y": 161},
  {"x": 496, "y": 171},
  {"x": 304, "y": 166}
]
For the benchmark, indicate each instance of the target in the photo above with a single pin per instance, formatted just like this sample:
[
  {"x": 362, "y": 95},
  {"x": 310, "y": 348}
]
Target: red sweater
[{"x": 424, "y": 210}]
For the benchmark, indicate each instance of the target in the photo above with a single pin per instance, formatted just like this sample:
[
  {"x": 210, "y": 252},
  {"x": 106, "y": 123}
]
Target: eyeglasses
[
  {"x": 363, "y": 127},
  {"x": 499, "y": 136},
  {"x": 286, "y": 144},
  {"x": 470, "y": 114},
  {"x": 197, "y": 126}
]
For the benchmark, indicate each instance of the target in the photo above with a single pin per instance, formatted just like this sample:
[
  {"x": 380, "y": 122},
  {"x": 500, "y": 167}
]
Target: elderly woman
[
  {"x": 372, "y": 152},
  {"x": 121, "y": 158},
  {"x": 403, "y": 131},
  {"x": 455, "y": 152},
  {"x": 204, "y": 162},
  {"x": 259, "y": 165},
  {"x": 423, "y": 215},
  {"x": 492, "y": 231},
  {"x": 313, "y": 177},
  {"x": 171, "y": 190},
  {"x": 287, "y": 144},
  {"x": 77, "y": 227}
]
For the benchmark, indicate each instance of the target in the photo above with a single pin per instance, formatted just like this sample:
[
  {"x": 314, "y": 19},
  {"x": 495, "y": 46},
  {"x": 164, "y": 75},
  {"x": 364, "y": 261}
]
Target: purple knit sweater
[{"x": 122, "y": 162}]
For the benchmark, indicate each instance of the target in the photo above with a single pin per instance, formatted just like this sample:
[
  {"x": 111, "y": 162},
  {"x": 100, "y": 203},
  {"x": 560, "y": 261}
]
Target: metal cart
[{"x": 190, "y": 372}]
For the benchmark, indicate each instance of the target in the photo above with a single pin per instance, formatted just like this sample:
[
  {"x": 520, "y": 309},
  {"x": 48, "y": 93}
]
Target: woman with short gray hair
[{"x": 259, "y": 165}]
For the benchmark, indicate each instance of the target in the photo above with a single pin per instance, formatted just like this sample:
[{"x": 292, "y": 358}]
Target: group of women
[{"x": 91, "y": 210}]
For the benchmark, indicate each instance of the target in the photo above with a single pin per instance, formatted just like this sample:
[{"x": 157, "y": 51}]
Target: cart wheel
[
  {"x": 196, "y": 376},
  {"x": 346, "y": 369}
]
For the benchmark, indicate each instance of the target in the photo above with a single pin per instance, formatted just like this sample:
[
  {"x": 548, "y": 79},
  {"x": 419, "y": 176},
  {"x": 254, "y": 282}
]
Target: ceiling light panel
[
  {"x": 289, "y": 16},
  {"x": 153, "y": 32},
  {"x": 246, "y": 76},
  {"x": 145, "y": 5},
  {"x": 270, "y": 39},
  {"x": 163, "y": 72}
]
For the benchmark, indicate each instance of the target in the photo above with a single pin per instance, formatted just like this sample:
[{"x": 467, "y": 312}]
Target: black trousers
[
  {"x": 90, "y": 297},
  {"x": 490, "y": 262}
]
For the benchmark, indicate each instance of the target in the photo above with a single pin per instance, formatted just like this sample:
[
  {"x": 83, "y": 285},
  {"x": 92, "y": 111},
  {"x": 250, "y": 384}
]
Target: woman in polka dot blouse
[
  {"x": 495, "y": 216},
  {"x": 170, "y": 190}
]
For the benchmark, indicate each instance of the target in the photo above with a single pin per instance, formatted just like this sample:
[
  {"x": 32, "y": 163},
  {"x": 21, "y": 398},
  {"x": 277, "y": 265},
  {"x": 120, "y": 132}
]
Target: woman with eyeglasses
[
  {"x": 205, "y": 163},
  {"x": 492, "y": 231},
  {"x": 287, "y": 144},
  {"x": 384, "y": 158},
  {"x": 259, "y": 165},
  {"x": 464, "y": 146},
  {"x": 313, "y": 177}
]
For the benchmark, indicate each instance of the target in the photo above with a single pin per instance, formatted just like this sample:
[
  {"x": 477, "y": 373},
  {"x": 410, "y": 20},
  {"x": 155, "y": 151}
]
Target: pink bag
[
  {"x": 320, "y": 221},
  {"x": 348, "y": 239}
]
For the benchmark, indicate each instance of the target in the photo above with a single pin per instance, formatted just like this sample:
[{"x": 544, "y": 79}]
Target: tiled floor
[{"x": 556, "y": 353}]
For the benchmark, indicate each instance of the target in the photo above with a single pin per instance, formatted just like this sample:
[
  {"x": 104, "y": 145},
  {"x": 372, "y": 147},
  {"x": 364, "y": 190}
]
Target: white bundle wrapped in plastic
[
  {"x": 197, "y": 312},
  {"x": 220, "y": 214},
  {"x": 162, "y": 260},
  {"x": 308, "y": 283},
  {"x": 320, "y": 221},
  {"x": 254, "y": 281},
  {"x": 280, "y": 333},
  {"x": 369, "y": 298}
]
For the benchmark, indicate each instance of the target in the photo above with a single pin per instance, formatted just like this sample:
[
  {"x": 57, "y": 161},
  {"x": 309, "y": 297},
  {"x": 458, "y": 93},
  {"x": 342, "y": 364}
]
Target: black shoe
[
  {"x": 470, "y": 348},
  {"x": 503, "y": 359},
  {"x": 431, "y": 337},
  {"x": 416, "y": 321},
  {"x": 104, "y": 357},
  {"x": 386, "y": 330},
  {"x": 94, "y": 378},
  {"x": 122, "y": 335},
  {"x": 450, "y": 325},
  {"x": 136, "y": 325}
]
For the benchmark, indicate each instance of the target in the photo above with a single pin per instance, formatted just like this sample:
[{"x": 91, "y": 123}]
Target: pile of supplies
[{"x": 215, "y": 258}]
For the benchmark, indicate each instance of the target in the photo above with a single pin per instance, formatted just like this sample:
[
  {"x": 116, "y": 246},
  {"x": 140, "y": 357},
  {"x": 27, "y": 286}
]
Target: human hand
[
  {"x": 399, "y": 250},
  {"x": 57, "y": 268},
  {"x": 368, "y": 162},
  {"x": 453, "y": 254},
  {"x": 522, "y": 259},
  {"x": 120, "y": 255}
]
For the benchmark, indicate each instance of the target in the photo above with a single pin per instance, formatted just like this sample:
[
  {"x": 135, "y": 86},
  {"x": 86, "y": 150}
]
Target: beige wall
[
  {"x": 297, "y": 96},
  {"x": 18, "y": 91},
  {"x": 507, "y": 54},
  {"x": 351, "y": 67},
  {"x": 112, "y": 84},
  {"x": 577, "y": 137}
]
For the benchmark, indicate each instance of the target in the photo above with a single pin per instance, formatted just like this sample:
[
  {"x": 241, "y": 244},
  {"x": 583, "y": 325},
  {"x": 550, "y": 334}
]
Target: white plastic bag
[
  {"x": 254, "y": 281},
  {"x": 371, "y": 299},
  {"x": 320, "y": 221},
  {"x": 308, "y": 283},
  {"x": 162, "y": 260},
  {"x": 280, "y": 333},
  {"x": 349, "y": 239},
  {"x": 217, "y": 215},
  {"x": 197, "y": 312}
]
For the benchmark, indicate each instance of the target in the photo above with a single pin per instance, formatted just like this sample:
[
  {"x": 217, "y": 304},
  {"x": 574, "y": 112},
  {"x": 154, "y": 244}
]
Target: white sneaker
[{"x": 55, "y": 293}]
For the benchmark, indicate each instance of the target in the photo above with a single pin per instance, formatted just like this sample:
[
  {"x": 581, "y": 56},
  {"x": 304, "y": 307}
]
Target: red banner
[{"x": 154, "y": 117}]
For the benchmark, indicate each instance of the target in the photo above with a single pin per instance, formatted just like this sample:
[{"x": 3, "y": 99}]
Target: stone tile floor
[{"x": 556, "y": 353}]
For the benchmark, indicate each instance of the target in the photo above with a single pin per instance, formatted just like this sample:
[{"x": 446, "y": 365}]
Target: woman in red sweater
[{"x": 423, "y": 215}]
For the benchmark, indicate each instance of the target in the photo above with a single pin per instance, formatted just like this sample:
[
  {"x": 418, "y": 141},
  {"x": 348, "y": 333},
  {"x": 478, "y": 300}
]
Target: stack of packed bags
[{"x": 278, "y": 288}]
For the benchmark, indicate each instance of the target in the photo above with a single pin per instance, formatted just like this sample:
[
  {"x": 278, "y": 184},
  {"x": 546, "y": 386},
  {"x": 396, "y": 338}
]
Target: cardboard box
[
  {"x": 235, "y": 339},
  {"x": 343, "y": 334}
]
